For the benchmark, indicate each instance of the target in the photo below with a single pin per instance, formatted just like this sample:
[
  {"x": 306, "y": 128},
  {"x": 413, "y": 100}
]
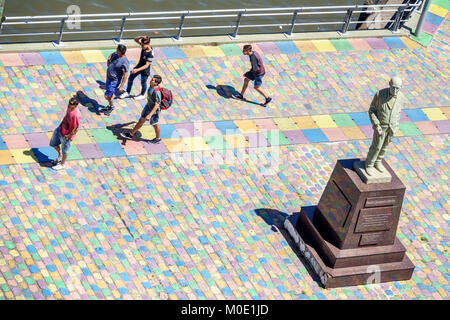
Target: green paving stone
[
  {"x": 276, "y": 138},
  {"x": 424, "y": 38},
  {"x": 102, "y": 135},
  {"x": 442, "y": 3},
  {"x": 409, "y": 129},
  {"x": 343, "y": 120}
]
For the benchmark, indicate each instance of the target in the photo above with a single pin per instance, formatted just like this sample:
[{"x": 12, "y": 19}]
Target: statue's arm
[{"x": 372, "y": 111}]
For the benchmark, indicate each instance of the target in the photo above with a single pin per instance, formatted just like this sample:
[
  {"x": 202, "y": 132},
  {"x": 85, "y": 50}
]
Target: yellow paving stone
[
  {"x": 246, "y": 126},
  {"x": 83, "y": 137},
  {"x": 23, "y": 156},
  {"x": 175, "y": 145},
  {"x": 235, "y": 141},
  {"x": 306, "y": 46},
  {"x": 73, "y": 57},
  {"x": 286, "y": 124},
  {"x": 305, "y": 122},
  {"x": 324, "y": 121},
  {"x": 6, "y": 157},
  {"x": 434, "y": 114},
  {"x": 324, "y": 45},
  {"x": 211, "y": 51},
  {"x": 195, "y": 144},
  {"x": 411, "y": 44},
  {"x": 193, "y": 52},
  {"x": 437, "y": 10},
  {"x": 353, "y": 133},
  {"x": 93, "y": 56}
]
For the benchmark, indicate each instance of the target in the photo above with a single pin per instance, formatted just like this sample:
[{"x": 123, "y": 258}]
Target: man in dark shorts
[
  {"x": 116, "y": 76},
  {"x": 255, "y": 74},
  {"x": 142, "y": 68},
  {"x": 150, "y": 112}
]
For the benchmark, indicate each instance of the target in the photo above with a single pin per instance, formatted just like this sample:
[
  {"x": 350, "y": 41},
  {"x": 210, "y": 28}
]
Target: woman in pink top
[{"x": 65, "y": 133}]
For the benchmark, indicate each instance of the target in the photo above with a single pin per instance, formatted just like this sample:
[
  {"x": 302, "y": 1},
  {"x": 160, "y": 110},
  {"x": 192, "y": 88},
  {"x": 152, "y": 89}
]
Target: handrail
[{"x": 295, "y": 13}]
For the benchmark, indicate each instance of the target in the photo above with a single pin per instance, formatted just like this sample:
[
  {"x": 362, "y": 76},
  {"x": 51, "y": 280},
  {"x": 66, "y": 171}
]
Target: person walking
[
  {"x": 65, "y": 132},
  {"x": 255, "y": 74},
  {"x": 116, "y": 76},
  {"x": 150, "y": 112},
  {"x": 142, "y": 68}
]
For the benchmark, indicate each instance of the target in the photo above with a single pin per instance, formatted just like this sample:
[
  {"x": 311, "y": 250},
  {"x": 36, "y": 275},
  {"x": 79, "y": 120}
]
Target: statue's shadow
[{"x": 275, "y": 219}]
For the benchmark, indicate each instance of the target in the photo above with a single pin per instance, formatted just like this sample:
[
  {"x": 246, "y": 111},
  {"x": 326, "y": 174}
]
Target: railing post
[
  {"x": 348, "y": 17},
  {"x": 121, "y": 28},
  {"x": 61, "y": 31},
  {"x": 422, "y": 17},
  {"x": 398, "y": 19},
  {"x": 236, "y": 29},
  {"x": 180, "y": 28},
  {"x": 294, "y": 17}
]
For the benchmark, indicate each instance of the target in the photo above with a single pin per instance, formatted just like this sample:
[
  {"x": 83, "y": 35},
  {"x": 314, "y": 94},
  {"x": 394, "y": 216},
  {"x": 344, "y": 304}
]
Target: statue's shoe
[
  {"x": 371, "y": 171},
  {"x": 380, "y": 167}
]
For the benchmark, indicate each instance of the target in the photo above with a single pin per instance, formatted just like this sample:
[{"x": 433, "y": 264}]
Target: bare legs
[
  {"x": 141, "y": 123},
  {"x": 63, "y": 157}
]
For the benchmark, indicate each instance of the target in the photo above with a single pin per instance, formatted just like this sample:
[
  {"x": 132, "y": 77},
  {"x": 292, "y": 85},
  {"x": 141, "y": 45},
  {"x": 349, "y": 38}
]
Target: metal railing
[{"x": 338, "y": 15}]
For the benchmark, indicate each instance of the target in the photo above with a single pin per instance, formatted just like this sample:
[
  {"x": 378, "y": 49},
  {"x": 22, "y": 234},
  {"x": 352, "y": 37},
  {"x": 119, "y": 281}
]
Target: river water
[{"x": 49, "y": 7}]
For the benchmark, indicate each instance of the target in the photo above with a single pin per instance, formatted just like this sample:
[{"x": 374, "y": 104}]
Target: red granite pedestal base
[{"x": 350, "y": 236}]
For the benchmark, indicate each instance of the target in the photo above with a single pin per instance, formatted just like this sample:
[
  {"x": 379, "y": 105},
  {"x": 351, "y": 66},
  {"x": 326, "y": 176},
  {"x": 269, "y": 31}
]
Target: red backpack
[{"x": 166, "y": 97}]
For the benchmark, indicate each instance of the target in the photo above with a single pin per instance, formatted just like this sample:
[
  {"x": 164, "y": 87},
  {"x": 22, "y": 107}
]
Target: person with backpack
[
  {"x": 255, "y": 74},
  {"x": 157, "y": 99},
  {"x": 142, "y": 68},
  {"x": 116, "y": 76}
]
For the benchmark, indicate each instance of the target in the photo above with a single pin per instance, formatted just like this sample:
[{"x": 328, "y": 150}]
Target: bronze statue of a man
[{"x": 384, "y": 113}]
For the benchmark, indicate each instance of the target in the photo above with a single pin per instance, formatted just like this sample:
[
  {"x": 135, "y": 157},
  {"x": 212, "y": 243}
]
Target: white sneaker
[
  {"x": 59, "y": 167},
  {"x": 139, "y": 97},
  {"x": 124, "y": 95}
]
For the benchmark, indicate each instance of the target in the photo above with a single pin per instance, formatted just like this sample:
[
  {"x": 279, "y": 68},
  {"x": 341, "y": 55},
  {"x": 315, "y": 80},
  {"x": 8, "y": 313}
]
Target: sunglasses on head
[{"x": 73, "y": 103}]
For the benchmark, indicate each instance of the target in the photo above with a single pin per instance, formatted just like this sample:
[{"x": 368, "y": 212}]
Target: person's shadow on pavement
[
  {"x": 227, "y": 92},
  {"x": 91, "y": 104},
  {"x": 116, "y": 129}
]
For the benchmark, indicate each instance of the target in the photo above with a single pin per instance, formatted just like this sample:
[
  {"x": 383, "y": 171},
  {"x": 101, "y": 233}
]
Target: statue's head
[{"x": 394, "y": 85}]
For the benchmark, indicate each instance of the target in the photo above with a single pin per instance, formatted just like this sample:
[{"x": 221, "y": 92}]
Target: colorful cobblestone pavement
[{"x": 200, "y": 215}]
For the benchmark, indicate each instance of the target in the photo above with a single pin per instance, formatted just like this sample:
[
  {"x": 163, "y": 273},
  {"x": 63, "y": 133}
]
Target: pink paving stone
[
  {"x": 429, "y": 27},
  {"x": 359, "y": 44},
  {"x": 32, "y": 58},
  {"x": 266, "y": 124},
  {"x": 159, "y": 54},
  {"x": 133, "y": 54},
  {"x": 255, "y": 47},
  {"x": 367, "y": 130},
  {"x": 132, "y": 148},
  {"x": 37, "y": 140},
  {"x": 90, "y": 151},
  {"x": 404, "y": 117},
  {"x": 295, "y": 136},
  {"x": 269, "y": 48},
  {"x": 334, "y": 134},
  {"x": 206, "y": 129},
  {"x": 185, "y": 129},
  {"x": 15, "y": 141},
  {"x": 155, "y": 147},
  {"x": 426, "y": 127},
  {"x": 256, "y": 139},
  {"x": 443, "y": 126},
  {"x": 11, "y": 59},
  {"x": 376, "y": 43}
]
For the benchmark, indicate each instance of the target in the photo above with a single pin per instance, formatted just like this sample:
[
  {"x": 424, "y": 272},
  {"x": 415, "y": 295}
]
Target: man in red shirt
[
  {"x": 65, "y": 133},
  {"x": 255, "y": 74}
]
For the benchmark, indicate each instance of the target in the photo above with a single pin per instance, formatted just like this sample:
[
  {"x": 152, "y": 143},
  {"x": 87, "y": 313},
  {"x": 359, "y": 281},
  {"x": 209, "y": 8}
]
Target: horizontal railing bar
[
  {"x": 186, "y": 28},
  {"x": 209, "y": 11}
]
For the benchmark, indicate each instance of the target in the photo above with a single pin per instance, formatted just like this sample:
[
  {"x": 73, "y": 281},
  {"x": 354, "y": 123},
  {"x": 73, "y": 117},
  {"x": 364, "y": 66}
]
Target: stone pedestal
[{"x": 349, "y": 238}]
